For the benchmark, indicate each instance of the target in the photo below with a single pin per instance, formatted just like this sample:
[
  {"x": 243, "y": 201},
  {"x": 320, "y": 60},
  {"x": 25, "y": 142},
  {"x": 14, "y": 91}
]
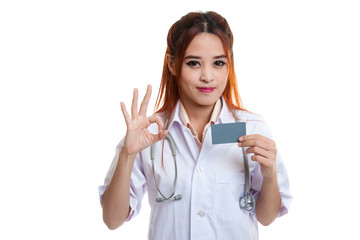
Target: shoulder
[
  {"x": 229, "y": 114},
  {"x": 246, "y": 116}
]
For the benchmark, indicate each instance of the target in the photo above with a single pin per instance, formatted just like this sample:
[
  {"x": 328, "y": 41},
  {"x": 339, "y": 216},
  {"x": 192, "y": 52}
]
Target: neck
[{"x": 199, "y": 116}]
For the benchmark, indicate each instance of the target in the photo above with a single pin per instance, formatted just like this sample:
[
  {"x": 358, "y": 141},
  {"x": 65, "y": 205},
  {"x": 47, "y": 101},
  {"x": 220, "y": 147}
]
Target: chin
[
  {"x": 206, "y": 102},
  {"x": 199, "y": 100}
]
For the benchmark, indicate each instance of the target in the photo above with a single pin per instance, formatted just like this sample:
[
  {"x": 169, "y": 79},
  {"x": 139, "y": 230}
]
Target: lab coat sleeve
[
  {"x": 137, "y": 182},
  {"x": 283, "y": 180}
]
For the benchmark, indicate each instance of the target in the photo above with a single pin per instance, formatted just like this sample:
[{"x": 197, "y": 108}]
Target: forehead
[{"x": 205, "y": 45}]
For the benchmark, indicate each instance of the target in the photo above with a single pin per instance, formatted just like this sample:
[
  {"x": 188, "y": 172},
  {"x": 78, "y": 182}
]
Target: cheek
[
  {"x": 223, "y": 77},
  {"x": 187, "y": 77}
]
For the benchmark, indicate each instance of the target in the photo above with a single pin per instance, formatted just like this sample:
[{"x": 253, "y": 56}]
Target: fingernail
[{"x": 241, "y": 138}]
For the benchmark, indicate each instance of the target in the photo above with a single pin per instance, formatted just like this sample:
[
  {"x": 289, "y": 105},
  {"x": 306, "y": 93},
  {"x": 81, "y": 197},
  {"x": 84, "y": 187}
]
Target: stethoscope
[{"x": 246, "y": 202}]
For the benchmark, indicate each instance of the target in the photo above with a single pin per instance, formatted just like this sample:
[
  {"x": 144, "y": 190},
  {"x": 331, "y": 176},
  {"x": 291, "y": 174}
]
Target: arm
[
  {"x": 115, "y": 202},
  {"x": 116, "y": 198},
  {"x": 269, "y": 201}
]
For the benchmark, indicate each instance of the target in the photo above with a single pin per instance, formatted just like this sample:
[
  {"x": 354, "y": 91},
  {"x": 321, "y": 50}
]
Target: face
[{"x": 204, "y": 72}]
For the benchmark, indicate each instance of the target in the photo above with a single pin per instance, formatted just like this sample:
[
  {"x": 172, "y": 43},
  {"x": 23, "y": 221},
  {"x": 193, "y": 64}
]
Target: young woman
[{"x": 195, "y": 195}]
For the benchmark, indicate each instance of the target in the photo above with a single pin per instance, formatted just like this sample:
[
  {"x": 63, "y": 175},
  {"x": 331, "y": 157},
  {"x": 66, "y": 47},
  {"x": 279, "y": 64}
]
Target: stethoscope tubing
[
  {"x": 247, "y": 171},
  {"x": 247, "y": 201},
  {"x": 173, "y": 152}
]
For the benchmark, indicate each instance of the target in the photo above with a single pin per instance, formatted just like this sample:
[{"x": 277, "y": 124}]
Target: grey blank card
[{"x": 227, "y": 132}]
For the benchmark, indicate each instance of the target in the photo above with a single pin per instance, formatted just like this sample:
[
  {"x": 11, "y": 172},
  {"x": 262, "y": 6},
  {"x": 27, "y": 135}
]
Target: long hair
[{"x": 179, "y": 37}]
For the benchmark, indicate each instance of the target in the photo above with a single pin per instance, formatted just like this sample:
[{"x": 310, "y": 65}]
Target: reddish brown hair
[{"x": 179, "y": 37}]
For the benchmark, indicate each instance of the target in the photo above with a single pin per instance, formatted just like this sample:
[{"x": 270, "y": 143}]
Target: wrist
[
  {"x": 126, "y": 155},
  {"x": 270, "y": 178}
]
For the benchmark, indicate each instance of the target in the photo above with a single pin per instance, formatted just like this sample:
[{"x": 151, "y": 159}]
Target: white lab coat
[{"x": 210, "y": 181}]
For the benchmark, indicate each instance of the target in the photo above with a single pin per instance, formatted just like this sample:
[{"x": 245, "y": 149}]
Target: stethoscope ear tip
[{"x": 159, "y": 199}]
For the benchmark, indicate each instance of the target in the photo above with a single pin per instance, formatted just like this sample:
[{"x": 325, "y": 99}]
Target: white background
[{"x": 66, "y": 65}]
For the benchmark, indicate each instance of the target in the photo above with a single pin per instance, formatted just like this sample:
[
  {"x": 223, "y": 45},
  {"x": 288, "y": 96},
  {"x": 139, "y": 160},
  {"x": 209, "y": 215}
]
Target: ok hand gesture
[{"x": 137, "y": 136}]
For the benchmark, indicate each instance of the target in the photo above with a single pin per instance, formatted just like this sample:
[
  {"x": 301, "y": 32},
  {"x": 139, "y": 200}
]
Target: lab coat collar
[
  {"x": 174, "y": 116},
  {"x": 226, "y": 115},
  {"x": 213, "y": 118}
]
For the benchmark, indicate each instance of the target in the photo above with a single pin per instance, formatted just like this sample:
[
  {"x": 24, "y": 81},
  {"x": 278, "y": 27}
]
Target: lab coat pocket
[{"x": 229, "y": 188}]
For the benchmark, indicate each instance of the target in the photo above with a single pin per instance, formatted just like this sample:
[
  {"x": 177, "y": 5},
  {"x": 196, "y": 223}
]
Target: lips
[{"x": 206, "y": 90}]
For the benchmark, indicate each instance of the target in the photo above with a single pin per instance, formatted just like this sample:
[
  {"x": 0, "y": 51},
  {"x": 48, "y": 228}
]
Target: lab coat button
[
  {"x": 201, "y": 214},
  {"x": 200, "y": 170}
]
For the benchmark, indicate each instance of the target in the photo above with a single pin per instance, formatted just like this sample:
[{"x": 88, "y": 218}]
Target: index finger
[
  {"x": 256, "y": 137},
  {"x": 158, "y": 120},
  {"x": 145, "y": 101}
]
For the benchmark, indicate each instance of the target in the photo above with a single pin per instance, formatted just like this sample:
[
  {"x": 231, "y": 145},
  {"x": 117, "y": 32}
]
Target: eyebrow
[{"x": 197, "y": 57}]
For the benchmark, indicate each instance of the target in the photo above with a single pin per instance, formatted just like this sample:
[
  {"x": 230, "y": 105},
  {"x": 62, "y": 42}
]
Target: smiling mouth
[{"x": 206, "y": 90}]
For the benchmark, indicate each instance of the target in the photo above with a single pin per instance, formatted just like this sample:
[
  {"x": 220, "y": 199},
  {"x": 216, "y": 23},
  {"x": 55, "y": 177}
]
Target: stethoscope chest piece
[{"x": 247, "y": 202}]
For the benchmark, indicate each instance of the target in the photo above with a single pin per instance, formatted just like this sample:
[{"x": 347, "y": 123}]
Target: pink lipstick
[{"x": 206, "y": 90}]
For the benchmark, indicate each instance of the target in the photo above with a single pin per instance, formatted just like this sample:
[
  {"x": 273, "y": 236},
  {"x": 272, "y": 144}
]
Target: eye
[
  {"x": 193, "y": 63},
  {"x": 219, "y": 63}
]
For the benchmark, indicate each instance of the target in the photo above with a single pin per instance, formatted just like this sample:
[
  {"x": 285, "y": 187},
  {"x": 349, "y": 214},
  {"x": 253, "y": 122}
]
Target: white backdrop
[{"x": 66, "y": 65}]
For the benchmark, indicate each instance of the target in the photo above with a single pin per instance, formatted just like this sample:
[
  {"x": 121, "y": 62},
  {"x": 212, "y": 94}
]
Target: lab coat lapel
[{"x": 182, "y": 134}]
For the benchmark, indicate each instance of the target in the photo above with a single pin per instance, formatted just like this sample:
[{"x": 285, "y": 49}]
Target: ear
[{"x": 171, "y": 64}]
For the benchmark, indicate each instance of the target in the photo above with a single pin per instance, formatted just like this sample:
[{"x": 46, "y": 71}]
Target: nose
[{"x": 207, "y": 75}]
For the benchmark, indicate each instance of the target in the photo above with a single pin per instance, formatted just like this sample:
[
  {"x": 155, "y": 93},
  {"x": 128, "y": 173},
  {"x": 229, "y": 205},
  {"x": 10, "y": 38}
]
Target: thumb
[{"x": 161, "y": 135}]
